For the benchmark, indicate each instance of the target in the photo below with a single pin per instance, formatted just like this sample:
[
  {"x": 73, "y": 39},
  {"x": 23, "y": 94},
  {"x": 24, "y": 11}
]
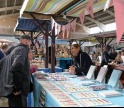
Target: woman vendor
[{"x": 82, "y": 61}]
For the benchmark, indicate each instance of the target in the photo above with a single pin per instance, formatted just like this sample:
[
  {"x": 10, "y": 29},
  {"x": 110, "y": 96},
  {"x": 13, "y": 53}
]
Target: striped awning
[
  {"x": 46, "y": 6},
  {"x": 55, "y": 6},
  {"x": 77, "y": 9}
]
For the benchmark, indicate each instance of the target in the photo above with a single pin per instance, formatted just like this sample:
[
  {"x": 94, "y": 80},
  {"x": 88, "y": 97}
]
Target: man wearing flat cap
[{"x": 18, "y": 66}]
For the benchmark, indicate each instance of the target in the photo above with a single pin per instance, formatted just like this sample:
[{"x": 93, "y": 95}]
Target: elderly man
[{"x": 15, "y": 69}]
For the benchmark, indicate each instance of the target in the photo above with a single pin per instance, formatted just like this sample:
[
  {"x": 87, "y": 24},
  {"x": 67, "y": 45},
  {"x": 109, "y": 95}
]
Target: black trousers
[{"x": 17, "y": 101}]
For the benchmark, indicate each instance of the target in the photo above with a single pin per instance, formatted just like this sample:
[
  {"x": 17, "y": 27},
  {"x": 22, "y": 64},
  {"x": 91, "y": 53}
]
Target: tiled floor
[{"x": 3, "y": 102}]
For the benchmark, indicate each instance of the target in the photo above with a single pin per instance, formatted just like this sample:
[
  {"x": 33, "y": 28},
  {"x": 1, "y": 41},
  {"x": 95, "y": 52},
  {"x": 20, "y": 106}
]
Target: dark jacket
[
  {"x": 82, "y": 62},
  {"x": 105, "y": 58},
  {"x": 18, "y": 69},
  {"x": 113, "y": 55}
]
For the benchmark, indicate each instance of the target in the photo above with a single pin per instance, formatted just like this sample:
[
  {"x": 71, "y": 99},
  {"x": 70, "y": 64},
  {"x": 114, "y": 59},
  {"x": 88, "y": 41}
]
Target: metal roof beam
[
  {"x": 14, "y": 5},
  {"x": 6, "y": 6},
  {"x": 84, "y": 28},
  {"x": 110, "y": 13},
  {"x": 10, "y": 8},
  {"x": 106, "y": 22},
  {"x": 3, "y": 16},
  {"x": 102, "y": 20},
  {"x": 99, "y": 24}
]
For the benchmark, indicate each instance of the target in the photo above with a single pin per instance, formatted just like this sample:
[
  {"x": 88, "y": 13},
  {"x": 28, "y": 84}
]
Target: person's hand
[
  {"x": 17, "y": 93},
  {"x": 35, "y": 66},
  {"x": 72, "y": 69}
]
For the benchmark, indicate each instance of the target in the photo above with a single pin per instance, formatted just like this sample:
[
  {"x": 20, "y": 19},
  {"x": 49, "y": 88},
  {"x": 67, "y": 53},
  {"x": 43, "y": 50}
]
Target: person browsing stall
[
  {"x": 4, "y": 48},
  {"x": 106, "y": 60},
  {"x": 113, "y": 54},
  {"x": 82, "y": 61},
  {"x": 16, "y": 67},
  {"x": 118, "y": 58},
  {"x": 33, "y": 68},
  {"x": 106, "y": 56}
]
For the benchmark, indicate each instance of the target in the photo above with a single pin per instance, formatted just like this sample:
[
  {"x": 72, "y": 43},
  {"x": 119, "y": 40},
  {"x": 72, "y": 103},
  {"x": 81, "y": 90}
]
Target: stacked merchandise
[
  {"x": 85, "y": 95},
  {"x": 110, "y": 93},
  {"x": 57, "y": 77},
  {"x": 70, "y": 94},
  {"x": 71, "y": 87},
  {"x": 61, "y": 97},
  {"x": 94, "y": 102}
]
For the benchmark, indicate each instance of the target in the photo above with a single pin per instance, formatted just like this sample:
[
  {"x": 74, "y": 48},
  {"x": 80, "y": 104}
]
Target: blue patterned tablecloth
[{"x": 51, "y": 102}]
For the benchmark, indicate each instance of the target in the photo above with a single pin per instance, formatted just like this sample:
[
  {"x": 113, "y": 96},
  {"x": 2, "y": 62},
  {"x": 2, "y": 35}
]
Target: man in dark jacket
[
  {"x": 82, "y": 61},
  {"x": 105, "y": 60},
  {"x": 19, "y": 70},
  {"x": 113, "y": 54},
  {"x": 106, "y": 56}
]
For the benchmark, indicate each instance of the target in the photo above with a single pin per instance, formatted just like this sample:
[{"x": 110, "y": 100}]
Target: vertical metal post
[
  {"x": 32, "y": 42},
  {"x": 46, "y": 43},
  {"x": 53, "y": 51}
]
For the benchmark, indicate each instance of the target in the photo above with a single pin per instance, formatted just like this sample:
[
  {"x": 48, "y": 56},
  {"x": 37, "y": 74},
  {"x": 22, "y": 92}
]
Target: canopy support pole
[
  {"x": 53, "y": 50},
  {"x": 46, "y": 43},
  {"x": 32, "y": 40},
  {"x": 46, "y": 33}
]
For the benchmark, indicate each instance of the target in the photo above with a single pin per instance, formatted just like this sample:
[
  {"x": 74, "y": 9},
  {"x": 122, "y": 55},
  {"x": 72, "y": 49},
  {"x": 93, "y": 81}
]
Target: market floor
[{"x": 3, "y": 102}]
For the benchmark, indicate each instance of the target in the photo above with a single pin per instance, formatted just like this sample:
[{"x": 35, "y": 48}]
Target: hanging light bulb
[{"x": 64, "y": 16}]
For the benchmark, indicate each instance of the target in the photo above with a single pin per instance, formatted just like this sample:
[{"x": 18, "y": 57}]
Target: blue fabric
[
  {"x": 28, "y": 25},
  {"x": 36, "y": 92},
  {"x": 25, "y": 24},
  {"x": 1, "y": 55},
  {"x": 58, "y": 69},
  {"x": 51, "y": 102},
  {"x": 64, "y": 63},
  {"x": 29, "y": 100},
  {"x": 47, "y": 70}
]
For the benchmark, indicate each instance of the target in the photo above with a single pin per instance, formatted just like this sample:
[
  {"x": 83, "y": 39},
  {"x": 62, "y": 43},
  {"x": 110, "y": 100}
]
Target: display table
[
  {"x": 64, "y": 63},
  {"x": 51, "y": 93},
  {"x": 46, "y": 70},
  {"x": 36, "y": 92}
]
